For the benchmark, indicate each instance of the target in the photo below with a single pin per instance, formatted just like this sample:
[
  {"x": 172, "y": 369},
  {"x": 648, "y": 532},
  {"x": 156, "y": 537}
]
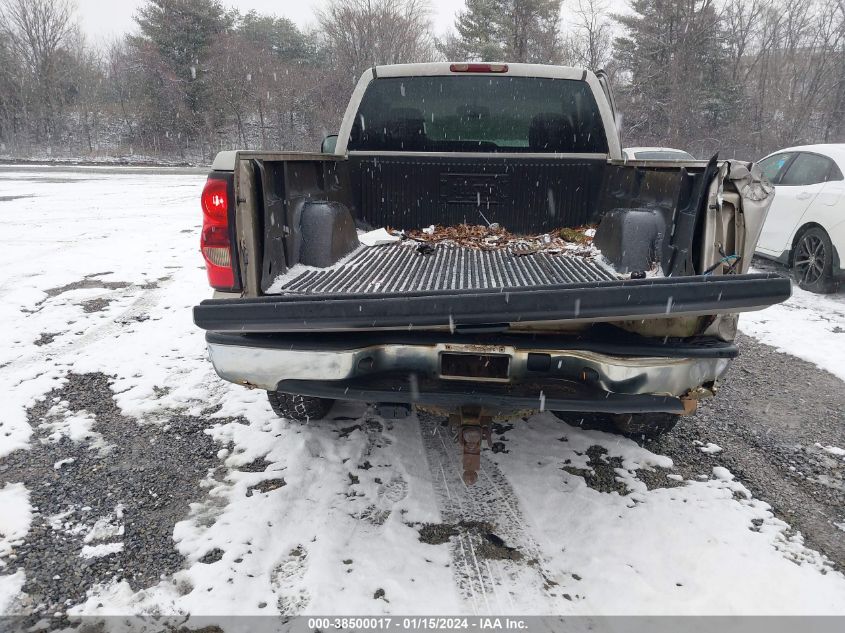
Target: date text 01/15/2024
[{"x": 417, "y": 623}]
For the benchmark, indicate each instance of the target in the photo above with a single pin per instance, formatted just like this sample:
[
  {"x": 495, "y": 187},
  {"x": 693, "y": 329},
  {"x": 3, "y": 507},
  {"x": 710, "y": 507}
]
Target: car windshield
[
  {"x": 664, "y": 154},
  {"x": 478, "y": 113}
]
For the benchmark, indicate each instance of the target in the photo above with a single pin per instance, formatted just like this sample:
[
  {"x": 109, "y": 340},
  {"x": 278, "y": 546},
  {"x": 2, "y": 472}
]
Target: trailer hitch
[{"x": 471, "y": 427}]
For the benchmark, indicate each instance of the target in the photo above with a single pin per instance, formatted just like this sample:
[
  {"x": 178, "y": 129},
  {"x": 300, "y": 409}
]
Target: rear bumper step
[{"x": 589, "y": 301}]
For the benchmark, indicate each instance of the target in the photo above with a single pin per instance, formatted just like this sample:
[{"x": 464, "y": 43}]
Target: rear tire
[
  {"x": 650, "y": 425},
  {"x": 292, "y": 406},
  {"x": 587, "y": 421},
  {"x": 812, "y": 261}
]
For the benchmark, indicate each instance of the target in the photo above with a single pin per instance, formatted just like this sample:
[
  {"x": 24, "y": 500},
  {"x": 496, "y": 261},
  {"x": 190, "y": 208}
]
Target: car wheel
[
  {"x": 298, "y": 408},
  {"x": 812, "y": 262},
  {"x": 631, "y": 424}
]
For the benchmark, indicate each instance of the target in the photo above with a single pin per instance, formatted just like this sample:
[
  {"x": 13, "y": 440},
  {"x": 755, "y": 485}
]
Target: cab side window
[
  {"x": 808, "y": 169},
  {"x": 772, "y": 167}
]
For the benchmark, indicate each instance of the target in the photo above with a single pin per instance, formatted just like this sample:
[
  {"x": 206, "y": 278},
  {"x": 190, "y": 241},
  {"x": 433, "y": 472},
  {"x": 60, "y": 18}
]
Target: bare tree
[
  {"x": 83, "y": 71},
  {"x": 799, "y": 55},
  {"x": 13, "y": 111},
  {"x": 745, "y": 35},
  {"x": 37, "y": 28},
  {"x": 37, "y": 31},
  {"x": 590, "y": 42},
  {"x": 119, "y": 70},
  {"x": 835, "y": 126},
  {"x": 230, "y": 65},
  {"x": 363, "y": 33}
]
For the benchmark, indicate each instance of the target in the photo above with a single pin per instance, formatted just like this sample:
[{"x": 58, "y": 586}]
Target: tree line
[{"x": 741, "y": 77}]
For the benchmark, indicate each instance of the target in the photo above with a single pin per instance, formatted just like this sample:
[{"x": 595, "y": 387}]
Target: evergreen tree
[
  {"x": 181, "y": 30},
  {"x": 506, "y": 30},
  {"x": 279, "y": 36},
  {"x": 174, "y": 42},
  {"x": 529, "y": 30},
  {"x": 673, "y": 53},
  {"x": 477, "y": 27}
]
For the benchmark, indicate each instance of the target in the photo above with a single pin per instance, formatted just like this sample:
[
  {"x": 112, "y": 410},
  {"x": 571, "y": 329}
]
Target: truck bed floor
[{"x": 400, "y": 268}]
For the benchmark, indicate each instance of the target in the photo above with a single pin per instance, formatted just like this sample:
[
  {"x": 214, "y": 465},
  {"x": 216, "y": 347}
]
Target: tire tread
[
  {"x": 650, "y": 425},
  {"x": 299, "y": 408}
]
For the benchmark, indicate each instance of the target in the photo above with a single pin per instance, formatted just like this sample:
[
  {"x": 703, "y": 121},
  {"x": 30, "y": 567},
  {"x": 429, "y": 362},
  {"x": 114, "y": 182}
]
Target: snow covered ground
[
  {"x": 356, "y": 515},
  {"x": 808, "y": 326}
]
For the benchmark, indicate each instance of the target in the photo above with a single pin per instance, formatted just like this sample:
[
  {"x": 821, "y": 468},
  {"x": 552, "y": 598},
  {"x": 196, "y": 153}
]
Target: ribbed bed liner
[{"x": 400, "y": 267}]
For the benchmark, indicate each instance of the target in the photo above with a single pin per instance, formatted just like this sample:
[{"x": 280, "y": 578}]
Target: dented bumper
[{"x": 530, "y": 374}]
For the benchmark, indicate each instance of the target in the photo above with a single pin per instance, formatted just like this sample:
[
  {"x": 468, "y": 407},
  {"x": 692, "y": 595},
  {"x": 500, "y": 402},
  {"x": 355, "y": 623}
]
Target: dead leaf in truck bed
[{"x": 572, "y": 241}]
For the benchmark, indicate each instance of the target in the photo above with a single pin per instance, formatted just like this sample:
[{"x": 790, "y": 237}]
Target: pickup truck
[{"x": 520, "y": 262}]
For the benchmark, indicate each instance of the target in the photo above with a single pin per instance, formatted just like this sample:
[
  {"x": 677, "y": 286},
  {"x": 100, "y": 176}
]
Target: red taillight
[
  {"x": 214, "y": 240},
  {"x": 215, "y": 199},
  {"x": 479, "y": 68}
]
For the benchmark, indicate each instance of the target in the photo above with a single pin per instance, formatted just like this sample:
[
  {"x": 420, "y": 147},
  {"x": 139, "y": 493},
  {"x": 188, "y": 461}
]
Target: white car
[
  {"x": 805, "y": 228},
  {"x": 656, "y": 153}
]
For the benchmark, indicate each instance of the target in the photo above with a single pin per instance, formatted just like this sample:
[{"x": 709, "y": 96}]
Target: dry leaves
[{"x": 572, "y": 241}]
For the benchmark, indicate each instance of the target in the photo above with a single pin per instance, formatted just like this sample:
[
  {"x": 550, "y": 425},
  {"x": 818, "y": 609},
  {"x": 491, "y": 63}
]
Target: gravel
[
  {"x": 90, "y": 281},
  {"x": 148, "y": 473},
  {"x": 488, "y": 545},
  {"x": 768, "y": 416},
  {"x": 601, "y": 474},
  {"x": 46, "y": 338},
  {"x": 95, "y": 305}
]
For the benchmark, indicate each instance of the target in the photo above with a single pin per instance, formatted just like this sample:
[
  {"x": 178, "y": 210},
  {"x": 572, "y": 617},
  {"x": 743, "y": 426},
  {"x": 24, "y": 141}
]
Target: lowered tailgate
[{"x": 476, "y": 305}]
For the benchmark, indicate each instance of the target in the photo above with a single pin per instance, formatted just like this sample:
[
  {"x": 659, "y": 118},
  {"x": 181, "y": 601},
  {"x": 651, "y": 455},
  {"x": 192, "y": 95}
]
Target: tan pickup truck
[{"x": 473, "y": 241}]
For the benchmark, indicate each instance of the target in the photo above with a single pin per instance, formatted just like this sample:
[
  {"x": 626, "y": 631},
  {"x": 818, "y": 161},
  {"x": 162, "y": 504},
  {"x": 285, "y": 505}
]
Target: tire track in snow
[
  {"x": 494, "y": 576},
  {"x": 110, "y": 328}
]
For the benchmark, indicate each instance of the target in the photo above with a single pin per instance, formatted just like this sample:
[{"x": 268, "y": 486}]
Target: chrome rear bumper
[{"x": 267, "y": 367}]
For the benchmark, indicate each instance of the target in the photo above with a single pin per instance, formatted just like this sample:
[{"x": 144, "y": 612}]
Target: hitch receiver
[{"x": 471, "y": 427}]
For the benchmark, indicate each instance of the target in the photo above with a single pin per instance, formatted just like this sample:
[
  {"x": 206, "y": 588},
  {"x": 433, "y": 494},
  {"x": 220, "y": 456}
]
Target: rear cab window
[{"x": 478, "y": 114}]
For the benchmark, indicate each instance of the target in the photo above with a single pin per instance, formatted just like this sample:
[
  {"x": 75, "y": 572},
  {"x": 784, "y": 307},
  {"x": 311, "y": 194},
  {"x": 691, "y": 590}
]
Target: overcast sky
[{"x": 103, "y": 19}]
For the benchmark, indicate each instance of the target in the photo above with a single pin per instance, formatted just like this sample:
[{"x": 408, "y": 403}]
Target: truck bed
[
  {"x": 300, "y": 266},
  {"x": 401, "y": 268}
]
